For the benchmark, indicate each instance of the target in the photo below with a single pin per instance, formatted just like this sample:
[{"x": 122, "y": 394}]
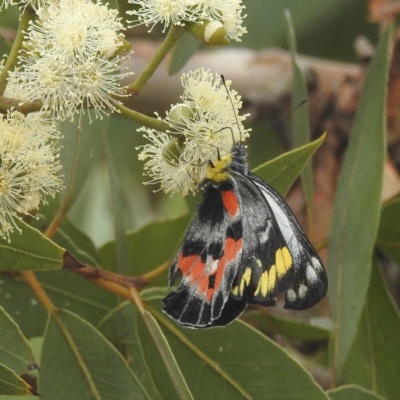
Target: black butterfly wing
[
  {"x": 266, "y": 268},
  {"x": 208, "y": 262},
  {"x": 308, "y": 283}
]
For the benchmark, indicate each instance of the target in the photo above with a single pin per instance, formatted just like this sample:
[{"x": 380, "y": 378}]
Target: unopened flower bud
[{"x": 211, "y": 33}]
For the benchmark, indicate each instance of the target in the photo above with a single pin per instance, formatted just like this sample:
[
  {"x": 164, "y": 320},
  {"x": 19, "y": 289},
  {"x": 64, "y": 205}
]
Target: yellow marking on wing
[
  {"x": 272, "y": 278},
  {"x": 219, "y": 171},
  {"x": 264, "y": 283},
  {"x": 280, "y": 263},
  {"x": 245, "y": 280},
  {"x": 267, "y": 281},
  {"x": 283, "y": 261},
  {"x": 287, "y": 257},
  {"x": 259, "y": 284},
  {"x": 235, "y": 290}
]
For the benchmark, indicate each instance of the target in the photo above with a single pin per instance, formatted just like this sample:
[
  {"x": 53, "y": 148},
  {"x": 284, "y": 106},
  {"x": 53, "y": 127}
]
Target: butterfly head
[{"x": 220, "y": 170}]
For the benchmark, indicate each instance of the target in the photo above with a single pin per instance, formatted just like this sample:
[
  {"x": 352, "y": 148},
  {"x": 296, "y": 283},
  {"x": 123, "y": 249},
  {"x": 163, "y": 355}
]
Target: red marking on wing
[
  {"x": 230, "y": 202},
  {"x": 194, "y": 269},
  {"x": 231, "y": 250},
  {"x": 185, "y": 264}
]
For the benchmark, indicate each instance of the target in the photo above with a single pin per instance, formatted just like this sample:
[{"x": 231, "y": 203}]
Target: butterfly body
[{"x": 243, "y": 246}]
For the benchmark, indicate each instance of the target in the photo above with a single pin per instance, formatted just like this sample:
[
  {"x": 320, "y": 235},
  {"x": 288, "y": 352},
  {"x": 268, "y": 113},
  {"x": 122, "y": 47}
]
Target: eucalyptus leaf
[
  {"x": 388, "y": 240},
  {"x": 15, "y": 351},
  {"x": 29, "y": 251},
  {"x": 65, "y": 289},
  {"x": 300, "y": 120},
  {"x": 237, "y": 362},
  {"x": 80, "y": 147},
  {"x": 12, "y": 384},
  {"x": 119, "y": 326},
  {"x": 160, "y": 359},
  {"x": 71, "y": 238},
  {"x": 353, "y": 392},
  {"x": 119, "y": 217},
  {"x": 373, "y": 361},
  {"x": 291, "y": 328},
  {"x": 85, "y": 362},
  {"x": 357, "y": 209},
  {"x": 149, "y": 246},
  {"x": 282, "y": 171},
  {"x": 233, "y": 362}
]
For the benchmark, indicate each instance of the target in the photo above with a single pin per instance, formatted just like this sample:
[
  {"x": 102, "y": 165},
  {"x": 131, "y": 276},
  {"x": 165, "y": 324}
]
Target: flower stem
[
  {"x": 142, "y": 119},
  {"x": 173, "y": 35},
  {"x": 27, "y": 16}
]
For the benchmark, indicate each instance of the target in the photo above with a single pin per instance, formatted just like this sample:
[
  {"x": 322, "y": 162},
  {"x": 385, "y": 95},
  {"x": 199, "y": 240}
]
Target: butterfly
[{"x": 244, "y": 246}]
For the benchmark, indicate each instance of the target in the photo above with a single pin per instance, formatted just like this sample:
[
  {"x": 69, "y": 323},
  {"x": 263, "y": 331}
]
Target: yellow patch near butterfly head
[
  {"x": 219, "y": 170},
  {"x": 283, "y": 261}
]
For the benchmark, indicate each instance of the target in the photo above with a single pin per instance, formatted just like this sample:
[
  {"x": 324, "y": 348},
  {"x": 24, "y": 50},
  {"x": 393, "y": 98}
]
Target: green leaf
[
  {"x": 282, "y": 171},
  {"x": 237, "y": 362},
  {"x": 182, "y": 53},
  {"x": 149, "y": 246},
  {"x": 357, "y": 209},
  {"x": 388, "y": 240},
  {"x": 160, "y": 359},
  {"x": 77, "y": 361},
  {"x": 12, "y": 384},
  {"x": 352, "y": 392},
  {"x": 373, "y": 358},
  {"x": 290, "y": 328},
  {"x": 15, "y": 351},
  {"x": 76, "y": 242},
  {"x": 119, "y": 327},
  {"x": 71, "y": 239},
  {"x": 30, "y": 251},
  {"x": 65, "y": 289},
  {"x": 118, "y": 215},
  {"x": 80, "y": 147},
  {"x": 300, "y": 120},
  {"x": 234, "y": 362}
]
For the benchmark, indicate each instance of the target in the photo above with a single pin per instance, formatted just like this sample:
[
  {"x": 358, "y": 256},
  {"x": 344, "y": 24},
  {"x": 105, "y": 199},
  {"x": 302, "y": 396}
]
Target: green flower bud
[{"x": 211, "y": 33}]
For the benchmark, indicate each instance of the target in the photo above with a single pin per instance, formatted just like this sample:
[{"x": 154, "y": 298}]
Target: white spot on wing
[
  {"x": 302, "y": 290},
  {"x": 311, "y": 274},
  {"x": 291, "y": 295},
  {"x": 264, "y": 236},
  {"x": 316, "y": 264},
  {"x": 211, "y": 265}
]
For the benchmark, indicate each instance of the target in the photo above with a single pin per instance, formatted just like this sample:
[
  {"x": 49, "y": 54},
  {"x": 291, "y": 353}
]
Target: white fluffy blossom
[
  {"x": 204, "y": 127},
  {"x": 71, "y": 58},
  {"x": 181, "y": 12},
  {"x": 28, "y": 166}
]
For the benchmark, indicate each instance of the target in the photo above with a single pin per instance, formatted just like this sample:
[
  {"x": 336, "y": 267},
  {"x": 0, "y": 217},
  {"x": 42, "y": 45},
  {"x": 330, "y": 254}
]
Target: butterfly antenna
[
  {"x": 287, "y": 114},
  {"x": 233, "y": 108}
]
